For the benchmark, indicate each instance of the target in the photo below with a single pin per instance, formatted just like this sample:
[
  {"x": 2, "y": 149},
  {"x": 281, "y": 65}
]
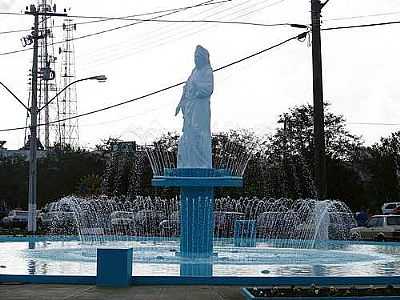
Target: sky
[{"x": 360, "y": 66}]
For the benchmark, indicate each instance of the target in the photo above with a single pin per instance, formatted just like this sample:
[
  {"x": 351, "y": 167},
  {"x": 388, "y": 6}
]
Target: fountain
[{"x": 234, "y": 241}]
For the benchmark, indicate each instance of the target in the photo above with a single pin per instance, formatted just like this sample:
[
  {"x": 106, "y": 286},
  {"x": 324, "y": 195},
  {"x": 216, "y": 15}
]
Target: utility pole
[
  {"x": 45, "y": 58},
  {"x": 319, "y": 130},
  {"x": 32, "y": 197}
]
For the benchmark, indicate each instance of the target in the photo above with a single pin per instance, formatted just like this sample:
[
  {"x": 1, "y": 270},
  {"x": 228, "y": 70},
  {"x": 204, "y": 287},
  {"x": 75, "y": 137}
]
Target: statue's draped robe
[{"x": 194, "y": 150}]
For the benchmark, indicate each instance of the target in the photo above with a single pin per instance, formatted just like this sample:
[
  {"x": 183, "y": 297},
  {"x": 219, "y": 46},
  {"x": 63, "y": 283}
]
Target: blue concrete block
[
  {"x": 245, "y": 233},
  {"x": 114, "y": 267}
]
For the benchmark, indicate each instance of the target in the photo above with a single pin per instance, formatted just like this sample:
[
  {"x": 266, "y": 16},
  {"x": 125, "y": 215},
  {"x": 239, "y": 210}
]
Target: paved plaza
[{"x": 49, "y": 292}]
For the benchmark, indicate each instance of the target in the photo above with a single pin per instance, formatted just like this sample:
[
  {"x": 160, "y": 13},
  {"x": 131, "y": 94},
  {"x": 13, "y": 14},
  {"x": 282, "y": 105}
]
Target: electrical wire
[
  {"x": 140, "y": 21},
  {"x": 12, "y": 14},
  {"x": 15, "y": 31},
  {"x": 108, "y": 30},
  {"x": 125, "y": 49},
  {"x": 363, "y": 16},
  {"x": 373, "y": 124},
  {"x": 163, "y": 89},
  {"x": 199, "y": 21},
  {"x": 156, "y": 35},
  {"x": 105, "y": 19},
  {"x": 361, "y": 25}
]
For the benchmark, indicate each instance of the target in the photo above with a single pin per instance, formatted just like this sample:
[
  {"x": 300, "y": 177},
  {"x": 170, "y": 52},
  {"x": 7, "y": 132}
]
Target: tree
[
  {"x": 381, "y": 164},
  {"x": 290, "y": 153},
  {"x": 89, "y": 185},
  {"x": 59, "y": 174},
  {"x": 299, "y": 134}
]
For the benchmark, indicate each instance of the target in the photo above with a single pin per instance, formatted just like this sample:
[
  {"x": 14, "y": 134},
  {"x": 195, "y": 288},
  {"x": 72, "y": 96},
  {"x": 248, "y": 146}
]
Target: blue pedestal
[
  {"x": 196, "y": 270},
  {"x": 197, "y": 202},
  {"x": 114, "y": 267},
  {"x": 197, "y": 222},
  {"x": 245, "y": 233}
]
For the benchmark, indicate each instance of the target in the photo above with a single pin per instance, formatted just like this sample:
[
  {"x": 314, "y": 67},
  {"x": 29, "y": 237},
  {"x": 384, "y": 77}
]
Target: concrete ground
[{"x": 49, "y": 292}]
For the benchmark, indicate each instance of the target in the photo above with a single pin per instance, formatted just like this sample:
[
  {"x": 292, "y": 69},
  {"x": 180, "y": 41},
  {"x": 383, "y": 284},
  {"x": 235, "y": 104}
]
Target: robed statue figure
[{"x": 194, "y": 150}]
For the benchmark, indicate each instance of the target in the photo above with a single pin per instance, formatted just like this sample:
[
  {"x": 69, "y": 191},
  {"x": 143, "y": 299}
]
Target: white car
[
  {"x": 388, "y": 208},
  {"x": 18, "y": 218},
  {"x": 380, "y": 228},
  {"x": 122, "y": 218},
  {"x": 55, "y": 214}
]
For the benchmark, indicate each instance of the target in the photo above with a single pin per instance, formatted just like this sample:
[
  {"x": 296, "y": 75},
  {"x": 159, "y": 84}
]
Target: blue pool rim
[{"x": 233, "y": 281}]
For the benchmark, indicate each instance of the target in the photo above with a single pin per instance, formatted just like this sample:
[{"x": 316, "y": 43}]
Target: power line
[
  {"x": 129, "y": 18},
  {"x": 153, "y": 39},
  {"x": 111, "y": 29},
  {"x": 217, "y": 22},
  {"x": 154, "y": 19},
  {"x": 361, "y": 25},
  {"x": 300, "y": 36},
  {"x": 363, "y": 16},
  {"x": 12, "y": 14},
  {"x": 105, "y": 19},
  {"x": 136, "y": 15},
  {"x": 15, "y": 31},
  {"x": 373, "y": 124},
  {"x": 168, "y": 21}
]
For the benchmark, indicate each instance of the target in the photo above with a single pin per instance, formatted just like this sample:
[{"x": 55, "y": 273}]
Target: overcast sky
[{"x": 360, "y": 66}]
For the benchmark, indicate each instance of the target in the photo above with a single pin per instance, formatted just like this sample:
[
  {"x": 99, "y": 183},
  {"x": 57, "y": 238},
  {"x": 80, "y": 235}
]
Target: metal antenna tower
[{"x": 68, "y": 131}]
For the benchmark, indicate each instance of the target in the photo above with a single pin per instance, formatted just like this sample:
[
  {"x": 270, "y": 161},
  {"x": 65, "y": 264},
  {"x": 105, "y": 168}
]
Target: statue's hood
[{"x": 204, "y": 56}]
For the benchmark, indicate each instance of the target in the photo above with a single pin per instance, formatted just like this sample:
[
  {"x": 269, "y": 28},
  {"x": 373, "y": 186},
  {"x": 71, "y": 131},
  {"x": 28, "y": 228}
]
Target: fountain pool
[{"x": 65, "y": 257}]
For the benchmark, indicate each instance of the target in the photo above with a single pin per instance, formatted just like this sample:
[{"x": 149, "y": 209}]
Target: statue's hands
[{"x": 178, "y": 109}]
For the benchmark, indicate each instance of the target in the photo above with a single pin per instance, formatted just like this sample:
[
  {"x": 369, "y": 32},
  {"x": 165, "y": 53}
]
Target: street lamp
[
  {"x": 99, "y": 78},
  {"x": 32, "y": 195}
]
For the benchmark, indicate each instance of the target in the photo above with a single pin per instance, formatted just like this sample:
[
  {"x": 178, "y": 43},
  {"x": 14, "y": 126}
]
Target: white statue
[{"x": 194, "y": 150}]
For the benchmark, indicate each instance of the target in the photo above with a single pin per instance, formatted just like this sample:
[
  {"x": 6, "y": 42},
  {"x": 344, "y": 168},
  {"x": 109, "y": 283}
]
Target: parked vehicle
[
  {"x": 380, "y": 228},
  {"x": 390, "y": 207},
  {"x": 337, "y": 227},
  {"x": 16, "y": 218},
  {"x": 170, "y": 226},
  {"x": 224, "y": 222},
  {"x": 55, "y": 214},
  {"x": 146, "y": 222},
  {"x": 121, "y": 219}
]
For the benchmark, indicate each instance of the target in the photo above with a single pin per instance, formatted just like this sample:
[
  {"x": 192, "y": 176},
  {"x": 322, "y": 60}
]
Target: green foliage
[
  {"x": 14, "y": 182},
  {"x": 59, "y": 174},
  {"x": 299, "y": 134},
  {"x": 382, "y": 162},
  {"x": 278, "y": 165},
  {"x": 90, "y": 185}
]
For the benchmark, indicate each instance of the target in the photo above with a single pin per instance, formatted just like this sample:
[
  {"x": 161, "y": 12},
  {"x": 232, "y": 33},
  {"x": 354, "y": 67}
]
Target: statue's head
[{"x": 201, "y": 57}]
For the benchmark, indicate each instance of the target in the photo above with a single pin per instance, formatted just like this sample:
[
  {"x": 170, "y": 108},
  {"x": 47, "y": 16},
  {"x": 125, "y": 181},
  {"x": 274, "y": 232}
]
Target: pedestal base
[
  {"x": 197, "y": 222},
  {"x": 197, "y": 205}
]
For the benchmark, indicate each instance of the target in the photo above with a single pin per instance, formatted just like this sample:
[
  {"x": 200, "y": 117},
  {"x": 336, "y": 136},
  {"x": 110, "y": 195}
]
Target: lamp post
[
  {"x": 32, "y": 196},
  {"x": 99, "y": 78}
]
